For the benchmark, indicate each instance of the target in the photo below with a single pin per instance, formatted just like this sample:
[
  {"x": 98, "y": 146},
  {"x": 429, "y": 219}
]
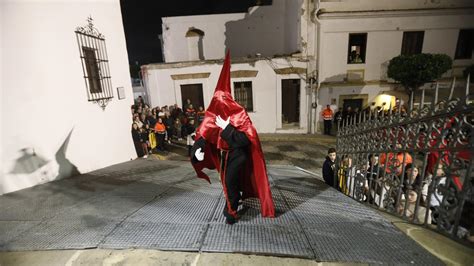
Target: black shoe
[{"x": 229, "y": 219}]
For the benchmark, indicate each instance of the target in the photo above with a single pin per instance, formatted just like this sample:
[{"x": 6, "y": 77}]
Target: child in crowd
[
  {"x": 144, "y": 141},
  {"x": 343, "y": 173},
  {"x": 328, "y": 167}
]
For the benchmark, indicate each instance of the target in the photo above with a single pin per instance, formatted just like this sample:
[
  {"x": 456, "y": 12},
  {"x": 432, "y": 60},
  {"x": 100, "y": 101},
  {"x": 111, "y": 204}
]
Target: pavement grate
[
  {"x": 257, "y": 239},
  {"x": 10, "y": 230},
  {"x": 366, "y": 242},
  {"x": 178, "y": 206},
  {"x": 110, "y": 207},
  {"x": 149, "y": 235},
  {"x": 86, "y": 232}
]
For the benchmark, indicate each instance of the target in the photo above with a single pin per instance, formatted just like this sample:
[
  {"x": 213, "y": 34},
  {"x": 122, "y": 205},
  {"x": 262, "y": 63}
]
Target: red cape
[{"x": 254, "y": 183}]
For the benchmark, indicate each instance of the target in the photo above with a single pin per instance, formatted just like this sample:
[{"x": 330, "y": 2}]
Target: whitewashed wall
[
  {"x": 44, "y": 95},
  {"x": 267, "y": 30},
  {"x": 266, "y": 89},
  {"x": 175, "y": 46}
]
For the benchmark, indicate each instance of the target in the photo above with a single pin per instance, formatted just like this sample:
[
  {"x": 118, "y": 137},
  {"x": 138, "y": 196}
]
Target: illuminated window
[{"x": 357, "y": 45}]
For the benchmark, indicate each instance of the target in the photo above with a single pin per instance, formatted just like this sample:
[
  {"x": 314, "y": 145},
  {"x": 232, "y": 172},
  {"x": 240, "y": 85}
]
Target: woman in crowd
[
  {"x": 138, "y": 122},
  {"x": 136, "y": 140}
]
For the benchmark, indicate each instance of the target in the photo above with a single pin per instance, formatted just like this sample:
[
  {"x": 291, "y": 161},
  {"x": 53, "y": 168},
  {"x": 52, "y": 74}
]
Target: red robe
[{"x": 254, "y": 183}]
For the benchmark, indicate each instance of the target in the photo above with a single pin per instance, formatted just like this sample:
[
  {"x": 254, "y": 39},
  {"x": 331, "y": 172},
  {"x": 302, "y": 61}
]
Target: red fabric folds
[{"x": 255, "y": 181}]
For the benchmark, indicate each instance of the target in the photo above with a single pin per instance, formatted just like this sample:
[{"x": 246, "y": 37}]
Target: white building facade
[
  {"x": 342, "y": 48},
  {"x": 258, "y": 84},
  {"x": 379, "y": 31},
  {"x": 55, "y": 82}
]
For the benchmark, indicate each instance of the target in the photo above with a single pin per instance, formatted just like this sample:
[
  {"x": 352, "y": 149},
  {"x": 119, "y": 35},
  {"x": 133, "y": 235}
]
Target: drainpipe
[
  {"x": 316, "y": 21},
  {"x": 310, "y": 104},
  {"x": 144, "y": 75}
]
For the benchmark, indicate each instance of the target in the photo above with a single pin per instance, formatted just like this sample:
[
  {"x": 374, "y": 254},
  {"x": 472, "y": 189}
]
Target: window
[
  {"x": 412, "y": 42},
  {"x": 243, "y": 94},
  {"x": 465, "y": 44},
  {"x": 93, "y": 75},
  {"x": 357, "y": 45},
  {"x": 95, "y": 65},
  {"x": 195, "y": 44}
]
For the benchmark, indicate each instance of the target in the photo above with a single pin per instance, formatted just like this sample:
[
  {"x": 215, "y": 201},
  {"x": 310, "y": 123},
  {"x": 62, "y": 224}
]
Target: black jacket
[
  {"x": 237, "y": 141},
  {"x": 328, "y": 171}
]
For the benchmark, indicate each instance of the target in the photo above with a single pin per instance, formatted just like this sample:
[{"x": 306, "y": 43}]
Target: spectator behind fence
[
  {"x": 328, "y": 167},
  {"x": 373, "y": 175},
  {"x": 343, "y": 173},
  {"x": 410, "y": 205},
  {"x": 412, "y": 178},
  {"x": 395, "y": 161}
]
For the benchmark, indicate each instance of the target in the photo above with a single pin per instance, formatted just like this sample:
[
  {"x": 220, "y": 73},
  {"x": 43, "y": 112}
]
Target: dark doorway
[
  {"x": 290, "y": 101},
  {"x": 353, "y": 103},
  {"x": 194, "y": 93}
]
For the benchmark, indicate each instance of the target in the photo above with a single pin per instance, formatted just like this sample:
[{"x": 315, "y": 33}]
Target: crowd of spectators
[
  {"x": 399, "y": 183},
  {"x": 154, "y": 128}
]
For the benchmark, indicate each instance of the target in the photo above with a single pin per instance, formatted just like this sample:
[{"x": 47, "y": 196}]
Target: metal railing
[{"x": 415, "y": 163}]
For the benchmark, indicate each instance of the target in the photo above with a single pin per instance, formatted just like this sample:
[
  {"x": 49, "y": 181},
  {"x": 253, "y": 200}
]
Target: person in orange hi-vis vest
[
  {"x": 327, "y": 117},
  {"x": 160, "y": 131}
]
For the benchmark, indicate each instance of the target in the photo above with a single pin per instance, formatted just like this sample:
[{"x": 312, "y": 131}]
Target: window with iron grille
[
  {"x": 95, "y": 64},
  {"x": 412, "y": 42},
  {"x": 243, "y": 94},
  {"x": 465, "y": 45}
]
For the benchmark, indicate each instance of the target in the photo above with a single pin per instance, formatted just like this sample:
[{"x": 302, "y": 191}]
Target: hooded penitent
[{"x": 254, "y": 182}]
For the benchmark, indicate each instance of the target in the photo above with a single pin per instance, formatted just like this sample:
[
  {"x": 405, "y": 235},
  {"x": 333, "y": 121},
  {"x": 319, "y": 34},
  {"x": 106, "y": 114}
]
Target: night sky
[{"x": 142, "y": 21}]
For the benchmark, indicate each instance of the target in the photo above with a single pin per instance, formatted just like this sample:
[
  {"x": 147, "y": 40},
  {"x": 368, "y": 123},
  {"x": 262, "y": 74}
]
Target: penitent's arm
[
  {"x": 235, "y": 138},
  {"x": 199, "y": 144}
]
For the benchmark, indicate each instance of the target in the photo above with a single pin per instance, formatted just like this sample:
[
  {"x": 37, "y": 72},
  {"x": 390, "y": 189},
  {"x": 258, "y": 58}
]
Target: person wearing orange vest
[
  {"x": 160, "y": 131},
  {"x": 327, "y": 117}
]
